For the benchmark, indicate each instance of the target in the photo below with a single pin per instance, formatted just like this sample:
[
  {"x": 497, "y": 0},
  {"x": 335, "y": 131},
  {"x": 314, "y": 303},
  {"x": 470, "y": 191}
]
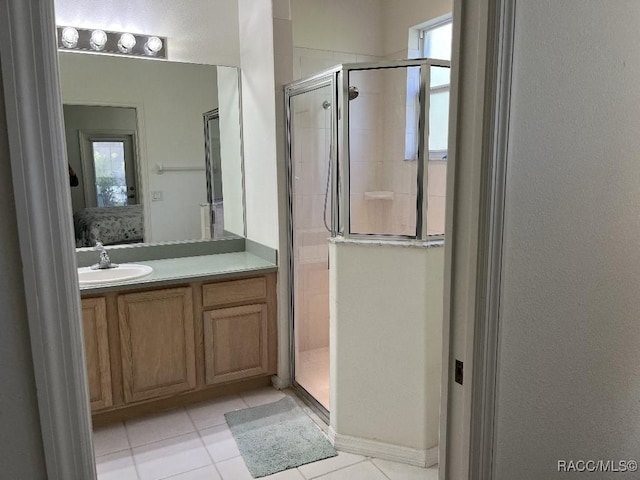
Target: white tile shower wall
[
  {"x": 366, "y": 141},
  {"x": 311, "y": 142},
  {"x": 437, "y": 186},
  {"x": 310, "y": 61}
]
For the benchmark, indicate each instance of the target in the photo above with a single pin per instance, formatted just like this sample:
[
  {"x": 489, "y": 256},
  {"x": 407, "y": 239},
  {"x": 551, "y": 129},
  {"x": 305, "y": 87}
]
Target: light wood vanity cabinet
[
  {"x": 157, "y": 343},
  {"x": 236, "y": 339},
  {"x": 94, "y": 323},
  {"x": 178, "y": 344}
]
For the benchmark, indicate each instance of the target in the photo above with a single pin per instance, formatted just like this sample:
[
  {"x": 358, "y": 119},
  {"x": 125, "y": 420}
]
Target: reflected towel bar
[{"x": 186, "y": 168}]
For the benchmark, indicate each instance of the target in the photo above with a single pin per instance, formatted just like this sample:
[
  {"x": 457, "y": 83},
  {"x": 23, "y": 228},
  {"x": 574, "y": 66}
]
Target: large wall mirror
[{"x": 154, "y": 149}]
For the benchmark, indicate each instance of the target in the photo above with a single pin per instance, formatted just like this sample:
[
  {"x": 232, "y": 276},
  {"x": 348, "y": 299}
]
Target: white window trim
[{"x": 422, "y": 30}]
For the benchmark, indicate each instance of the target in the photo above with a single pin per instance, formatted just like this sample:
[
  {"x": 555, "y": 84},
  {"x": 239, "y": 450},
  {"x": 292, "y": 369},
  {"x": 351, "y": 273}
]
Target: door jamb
[{"x": 43, "y": 204}]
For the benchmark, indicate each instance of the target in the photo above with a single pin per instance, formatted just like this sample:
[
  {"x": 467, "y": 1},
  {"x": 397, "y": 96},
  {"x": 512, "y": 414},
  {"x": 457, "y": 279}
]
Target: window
[
  {"x": 436, "y": 43},
  {"x": 436, "y": 40},
  {"x": 109, "y": 168}
]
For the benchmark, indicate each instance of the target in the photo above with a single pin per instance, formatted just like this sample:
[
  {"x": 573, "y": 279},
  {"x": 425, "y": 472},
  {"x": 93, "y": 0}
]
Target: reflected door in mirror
[{"x": 111, "y": 164}]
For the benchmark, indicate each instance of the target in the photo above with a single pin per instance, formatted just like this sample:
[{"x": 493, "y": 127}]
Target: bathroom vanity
[{"x": 176, "y": 339}]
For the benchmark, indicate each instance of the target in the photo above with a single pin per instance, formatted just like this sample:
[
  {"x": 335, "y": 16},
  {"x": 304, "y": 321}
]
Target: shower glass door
[{"x": 310, "y": 143}]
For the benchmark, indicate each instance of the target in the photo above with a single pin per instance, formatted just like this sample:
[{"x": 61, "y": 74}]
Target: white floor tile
[
  {"x": 220, "y": 443},
  {"x": 116, "y": 466},
  {"x": 234, "y": 469},
  {"x": 170, "y": 457},
  {"x": 110, "y": 439},
  {"x": 159, "y": 427},
  {"x": 262, "y": 396},
  {"x": 315, "y": 469},
  {"x": 359, "y": 471},
  {"x": 291, "y": 474},
  {"x": 401, "y": 471},
  {"x": 210, "y": 414},
  {"x": 205, "y": 473}
]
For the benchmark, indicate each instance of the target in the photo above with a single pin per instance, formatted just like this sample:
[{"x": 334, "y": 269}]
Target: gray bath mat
[{"x": 276, "y": 437}]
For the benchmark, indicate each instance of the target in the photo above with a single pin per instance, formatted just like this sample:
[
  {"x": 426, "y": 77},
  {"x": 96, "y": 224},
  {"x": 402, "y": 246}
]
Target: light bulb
[
  {"x": 153, "y": 46},
  {"x": 70, "y": 37},
  {"x": 126, "y": 43},
  {"x": 98, "y": 40}
]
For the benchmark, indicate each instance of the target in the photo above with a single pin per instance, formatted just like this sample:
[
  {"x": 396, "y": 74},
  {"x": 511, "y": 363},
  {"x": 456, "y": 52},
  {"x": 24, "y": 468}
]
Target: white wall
[
  {"x": 170, "y": 128},
  {"x": 21, "y": 450},
  {"x": 386, "y": 343},
  {"x": 259, "y": 120},
  {"x": 333, "y": 32},
  {"x": 348, "y": 31},
  {"x": 351, "y": 26},
  {"x": 198, "y": 31},
  {"x": 568, "y": 379}
]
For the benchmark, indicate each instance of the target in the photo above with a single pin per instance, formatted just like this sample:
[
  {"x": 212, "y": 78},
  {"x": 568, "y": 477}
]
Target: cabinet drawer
[{"x": 233, "y": 291}]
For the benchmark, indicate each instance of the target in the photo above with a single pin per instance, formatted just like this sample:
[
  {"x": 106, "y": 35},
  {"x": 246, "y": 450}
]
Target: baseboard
[
  {"x": 385, "y": 451},
  {"x": 279, "y": 383}
]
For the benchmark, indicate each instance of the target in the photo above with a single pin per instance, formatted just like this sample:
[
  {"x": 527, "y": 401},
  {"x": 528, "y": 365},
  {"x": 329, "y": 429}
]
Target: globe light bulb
[
  {"x": 126, "y": 43},
  {"x": 70, "y": 37},
  {"x": 98, "y": 40},
  {"x": 153, "y": 46}
]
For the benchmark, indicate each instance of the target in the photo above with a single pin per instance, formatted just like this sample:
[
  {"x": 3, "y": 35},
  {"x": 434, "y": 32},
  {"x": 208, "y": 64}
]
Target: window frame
[{"x": 423, "y": 30}]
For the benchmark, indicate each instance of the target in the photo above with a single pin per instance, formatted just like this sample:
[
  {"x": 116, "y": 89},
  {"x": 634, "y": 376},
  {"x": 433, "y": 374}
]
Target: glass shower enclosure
[{"x": 362, "y": 142}]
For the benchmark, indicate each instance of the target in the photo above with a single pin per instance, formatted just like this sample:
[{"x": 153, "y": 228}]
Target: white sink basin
[{"x": 122, "y": 273}]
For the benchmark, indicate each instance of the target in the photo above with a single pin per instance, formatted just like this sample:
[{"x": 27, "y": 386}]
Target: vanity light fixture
[{"x": 119, "y": 43}]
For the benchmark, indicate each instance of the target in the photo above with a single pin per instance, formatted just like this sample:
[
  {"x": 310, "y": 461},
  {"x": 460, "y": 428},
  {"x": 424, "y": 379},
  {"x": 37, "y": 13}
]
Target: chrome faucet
[{"x": 105, "y": 261}]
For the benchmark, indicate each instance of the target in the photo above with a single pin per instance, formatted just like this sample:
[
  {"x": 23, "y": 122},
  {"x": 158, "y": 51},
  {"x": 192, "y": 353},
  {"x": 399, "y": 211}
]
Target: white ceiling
[{"x": 199, "y": 31}]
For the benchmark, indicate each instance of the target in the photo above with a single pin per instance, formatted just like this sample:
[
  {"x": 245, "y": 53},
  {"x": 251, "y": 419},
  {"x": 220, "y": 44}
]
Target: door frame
[
  {"x": 86, "y": 137},
  {"x": 475, "y": 224},
  {"x": 319, "y": 81},
  {"x": 28, "y": 49}
]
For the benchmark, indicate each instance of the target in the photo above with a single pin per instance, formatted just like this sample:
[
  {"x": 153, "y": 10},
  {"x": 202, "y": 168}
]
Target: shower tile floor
[
  {"x": 312, "y": 373},
  {"x": 195, "y": 443}
]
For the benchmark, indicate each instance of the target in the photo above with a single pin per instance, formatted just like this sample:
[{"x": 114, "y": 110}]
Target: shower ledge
[{"x": 379, "y": 195}]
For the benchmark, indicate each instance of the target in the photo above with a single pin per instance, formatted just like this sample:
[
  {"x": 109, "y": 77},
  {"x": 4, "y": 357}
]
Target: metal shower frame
[{"x": 337, "y": 78}]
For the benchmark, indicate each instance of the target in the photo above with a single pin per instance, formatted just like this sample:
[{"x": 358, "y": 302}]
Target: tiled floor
[
  {"x": 194, "y": 443},
  {"x": 312, "y": 373}
]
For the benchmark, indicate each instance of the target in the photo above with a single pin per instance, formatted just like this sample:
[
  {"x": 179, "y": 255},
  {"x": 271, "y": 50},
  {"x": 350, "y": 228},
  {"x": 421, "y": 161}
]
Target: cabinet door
[
  {"x": 235, "y": 343},
  {"x": 96, "y": 348},
  {"x": 157, "y": 343}
]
